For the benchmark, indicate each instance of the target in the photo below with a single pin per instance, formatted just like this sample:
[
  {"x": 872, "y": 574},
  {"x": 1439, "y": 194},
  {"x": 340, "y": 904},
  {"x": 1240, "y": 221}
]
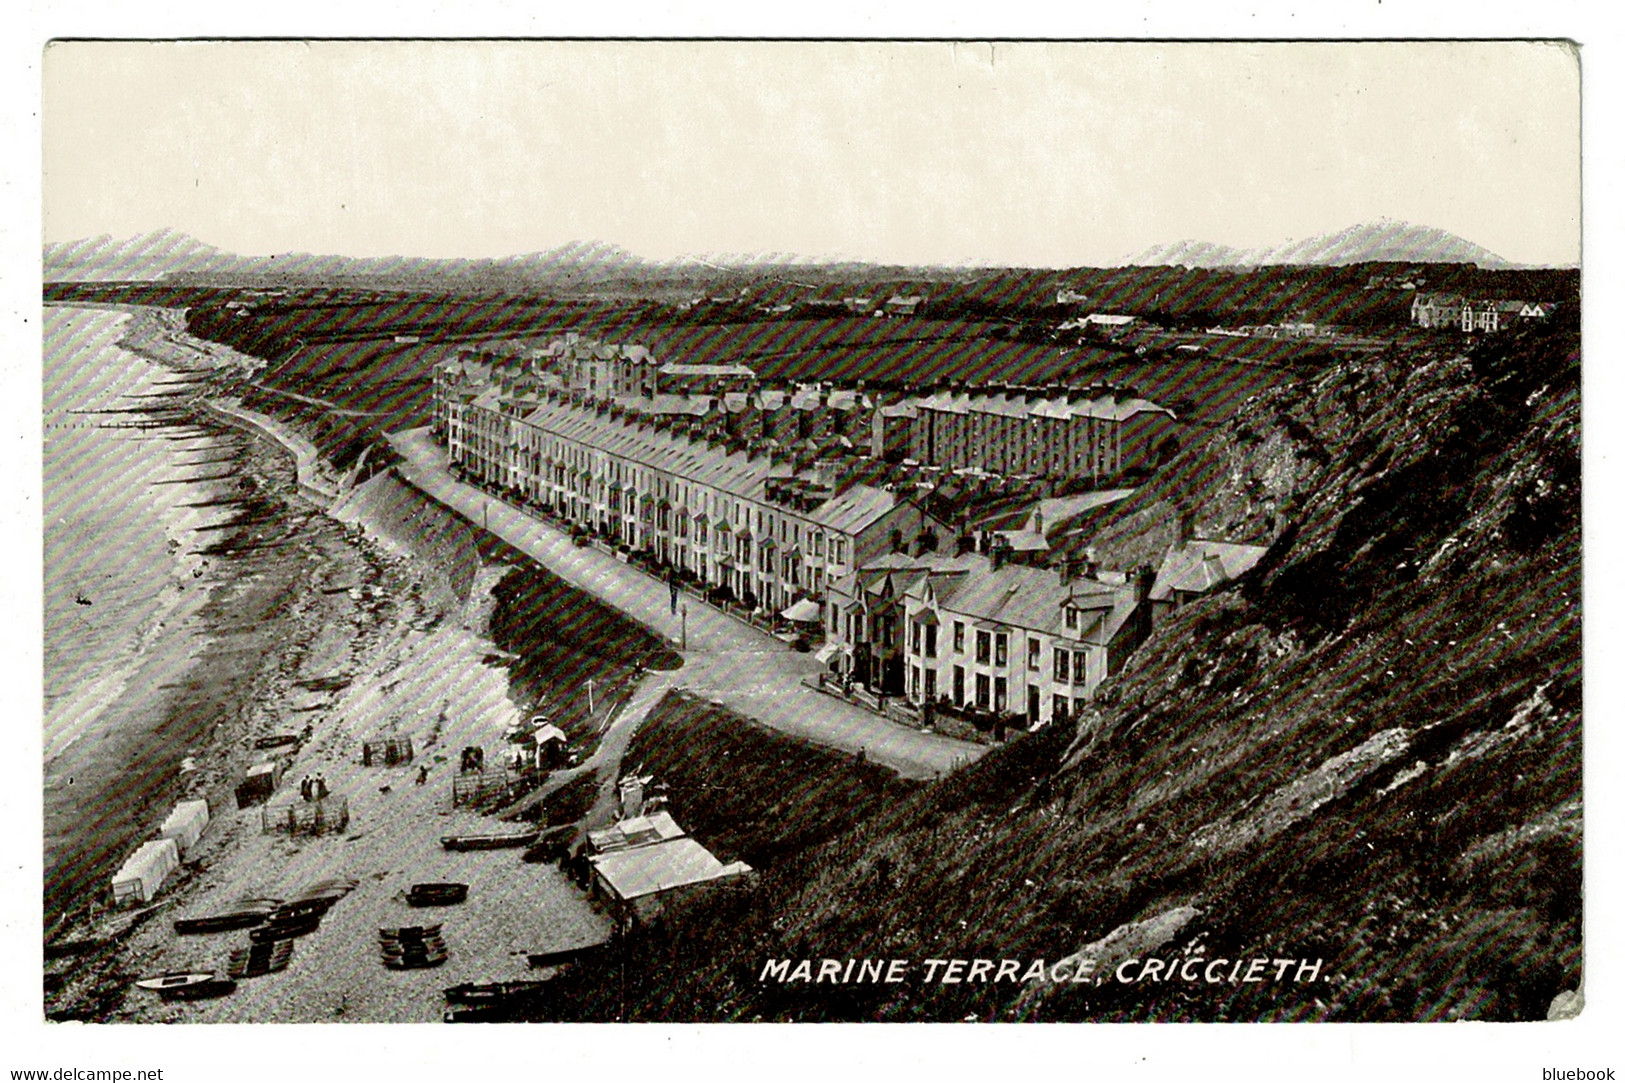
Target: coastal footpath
[{"x": 725, "y": 660}]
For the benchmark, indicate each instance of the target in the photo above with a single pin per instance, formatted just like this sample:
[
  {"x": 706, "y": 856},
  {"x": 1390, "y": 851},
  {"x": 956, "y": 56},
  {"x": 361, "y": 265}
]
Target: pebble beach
[{"x": 333, "y": 620}]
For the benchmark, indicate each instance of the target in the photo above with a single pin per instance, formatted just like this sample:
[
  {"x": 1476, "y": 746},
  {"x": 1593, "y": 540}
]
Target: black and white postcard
[{"x": 752, "y": 530}]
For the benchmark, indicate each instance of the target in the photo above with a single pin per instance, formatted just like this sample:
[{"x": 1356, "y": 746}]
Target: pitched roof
[
  {"x": 693, "y": 460},
  {"x": 680, "y": 368},
  {"x": 1198, "y": 566},
  {"x": 1018, "y": 596},
  {"x": 649, "y": 870},
  {"x": 636, "y": 831},
  {"x": 855, "y": 509},
  {"x": 1107, "y": 406}
]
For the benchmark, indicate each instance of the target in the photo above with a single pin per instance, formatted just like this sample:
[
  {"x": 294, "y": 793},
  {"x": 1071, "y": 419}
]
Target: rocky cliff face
[
  {"x": 1366, "y": 752},
  {"x": 1369, "y": 750}
]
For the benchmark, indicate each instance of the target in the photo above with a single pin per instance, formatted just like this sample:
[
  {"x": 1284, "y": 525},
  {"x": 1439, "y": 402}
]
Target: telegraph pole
[
  {"x": 685, "y": 626},
  {"x": 591, "y": 710}
]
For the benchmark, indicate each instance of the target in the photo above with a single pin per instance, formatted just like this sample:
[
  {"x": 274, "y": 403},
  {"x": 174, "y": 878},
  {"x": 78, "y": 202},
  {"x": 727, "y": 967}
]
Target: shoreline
[
  {"x": 103, "y": 762},
  {"x": 313, "y": 600}
]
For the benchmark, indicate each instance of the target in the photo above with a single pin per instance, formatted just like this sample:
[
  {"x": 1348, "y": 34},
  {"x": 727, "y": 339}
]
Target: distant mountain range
[
  {"x": 167, "y": 254},
  {"x": 1383, "y": 241}
]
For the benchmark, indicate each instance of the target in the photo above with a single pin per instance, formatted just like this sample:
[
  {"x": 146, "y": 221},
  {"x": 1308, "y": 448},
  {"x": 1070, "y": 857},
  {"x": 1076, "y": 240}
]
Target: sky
[{"x": 1033, "y": 154}]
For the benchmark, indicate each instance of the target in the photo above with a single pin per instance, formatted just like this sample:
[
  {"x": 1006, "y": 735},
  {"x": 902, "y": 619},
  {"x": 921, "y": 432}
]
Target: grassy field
[
  {"x": 749, "y": 793},
  {"x": 1202, "y": 390},
  {"x": 565, "y": 638}
]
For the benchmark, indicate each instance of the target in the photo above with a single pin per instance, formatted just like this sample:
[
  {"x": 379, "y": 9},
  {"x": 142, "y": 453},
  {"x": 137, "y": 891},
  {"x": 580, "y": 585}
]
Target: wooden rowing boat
[
  {"x": 436, "y": 894},
  {"x": 174, "y": 980},
  {"x": 276, "y": 740},
  {"x": 273, "y": 931},
  {"x": 221, "y": 923},
  {"x": 493, "y": 992},
  {"x": 207, "y": 989},
  {"x": 488, "y": 842}
]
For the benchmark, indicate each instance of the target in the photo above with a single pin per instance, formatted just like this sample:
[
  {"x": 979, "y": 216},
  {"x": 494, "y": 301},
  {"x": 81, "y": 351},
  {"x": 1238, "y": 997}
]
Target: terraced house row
[
  {"x": 1059, "y": 433},
  {"x": 771, "y": 529},
  {"x": 1030, "y": 644}
]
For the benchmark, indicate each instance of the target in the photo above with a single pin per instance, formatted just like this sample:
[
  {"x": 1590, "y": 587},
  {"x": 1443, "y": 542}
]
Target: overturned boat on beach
[
  {"x": 441, "y": 894},
  {"x": 492, "y": 992},
  {"x": 246, "y": 917}
]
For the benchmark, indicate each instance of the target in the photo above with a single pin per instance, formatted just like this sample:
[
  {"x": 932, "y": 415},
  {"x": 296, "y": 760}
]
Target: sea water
[{"x": 120, "y": 569}]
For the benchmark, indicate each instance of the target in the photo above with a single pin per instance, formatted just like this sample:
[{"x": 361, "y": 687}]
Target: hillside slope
[{"x": 1366, "y": 752}]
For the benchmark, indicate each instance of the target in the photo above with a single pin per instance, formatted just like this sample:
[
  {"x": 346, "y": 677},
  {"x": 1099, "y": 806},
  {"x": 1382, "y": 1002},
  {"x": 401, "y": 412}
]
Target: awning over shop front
[{"x": 805, "y": 611}]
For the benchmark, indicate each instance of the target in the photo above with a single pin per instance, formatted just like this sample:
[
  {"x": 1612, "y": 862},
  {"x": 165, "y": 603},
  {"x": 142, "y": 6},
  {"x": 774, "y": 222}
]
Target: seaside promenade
[{"x": 724, "y": 659}]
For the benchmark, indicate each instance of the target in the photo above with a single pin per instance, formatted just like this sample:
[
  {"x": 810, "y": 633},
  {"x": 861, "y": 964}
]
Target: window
[
  {"x": 1080, "y": 671},
  {"x": 1035, "y": 653},
  {"x": 914, "y": 639},
  {"x": 1001, "y": 649},
  {"x": 1059, "y": 709},
  {"x": 984, "y": 647},
  {"x": 1001, "y": 691},
  {"x": 1071, "y": 618},
  {"x": 981, "y": 690},
  {"x": 959, "y": 686},
  {"x": 1063, "y": 666},
  {"x": 930, "y": 684},
  {"x": 930, "y": 640},
  {"x": 915, "y": 685},
  {"x": 959, "y": 637},
  {"x": 1077, "y": 704}
]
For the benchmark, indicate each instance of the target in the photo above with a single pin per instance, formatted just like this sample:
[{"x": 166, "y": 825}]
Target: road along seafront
[
  {"x": 724, "y": 660},
  {"x": 369, "y": 641}
]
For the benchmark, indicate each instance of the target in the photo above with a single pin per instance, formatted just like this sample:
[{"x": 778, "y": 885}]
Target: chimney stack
[
  {"x": 1184, "y": 528},
  {"x": 1143, "y": 580}
]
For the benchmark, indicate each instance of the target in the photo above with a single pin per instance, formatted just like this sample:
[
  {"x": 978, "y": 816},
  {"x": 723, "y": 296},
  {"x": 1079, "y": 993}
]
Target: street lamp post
[{"x": 685, "y": 626}]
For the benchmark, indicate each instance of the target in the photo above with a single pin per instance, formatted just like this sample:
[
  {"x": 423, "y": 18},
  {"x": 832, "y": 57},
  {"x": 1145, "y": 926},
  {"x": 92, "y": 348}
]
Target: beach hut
[
  {"x": 552, "y": 746},
  {"x": 144, "y": 871},
  {"x": 641, "y": 882},
  {"x": 185, "y": 824},
  {"x": 258, "y": 784}
]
